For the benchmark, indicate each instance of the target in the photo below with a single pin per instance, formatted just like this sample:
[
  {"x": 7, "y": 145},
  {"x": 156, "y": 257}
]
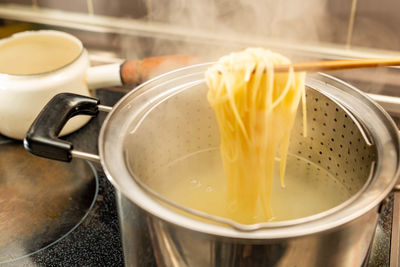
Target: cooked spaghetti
[{"x": 255, "y": 109}]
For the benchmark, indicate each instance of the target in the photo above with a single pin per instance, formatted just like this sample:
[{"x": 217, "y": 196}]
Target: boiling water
[
  {"x": 197, "y": 181},
  {"x": 34, "y": 54}
]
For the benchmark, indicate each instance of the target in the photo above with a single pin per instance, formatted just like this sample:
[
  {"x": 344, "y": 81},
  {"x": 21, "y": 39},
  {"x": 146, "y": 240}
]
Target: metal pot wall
[{"x": 168, "y": 117}]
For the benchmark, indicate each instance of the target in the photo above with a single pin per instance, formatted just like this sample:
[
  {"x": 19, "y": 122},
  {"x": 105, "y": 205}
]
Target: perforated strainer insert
[
  {"x": 180, "y": 124},
  {"x": 335, "y": 141}
]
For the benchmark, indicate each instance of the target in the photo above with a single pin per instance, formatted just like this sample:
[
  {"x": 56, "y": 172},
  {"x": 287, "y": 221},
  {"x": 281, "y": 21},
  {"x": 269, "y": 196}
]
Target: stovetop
[{"x": 96, "y": 241}]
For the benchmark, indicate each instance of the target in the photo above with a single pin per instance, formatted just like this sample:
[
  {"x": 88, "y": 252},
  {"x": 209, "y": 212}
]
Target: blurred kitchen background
[{"x": 303, "y": 30}]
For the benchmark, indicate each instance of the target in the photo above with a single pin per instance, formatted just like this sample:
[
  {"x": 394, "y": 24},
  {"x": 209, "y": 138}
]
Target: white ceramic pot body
[{"x": 23, "y": 96}]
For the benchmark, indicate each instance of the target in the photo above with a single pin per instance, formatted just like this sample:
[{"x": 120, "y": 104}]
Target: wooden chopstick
[{"x": 331, "y": 65}]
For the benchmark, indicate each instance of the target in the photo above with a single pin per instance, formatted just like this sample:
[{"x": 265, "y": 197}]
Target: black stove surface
[{"x": 96, "y": 241}]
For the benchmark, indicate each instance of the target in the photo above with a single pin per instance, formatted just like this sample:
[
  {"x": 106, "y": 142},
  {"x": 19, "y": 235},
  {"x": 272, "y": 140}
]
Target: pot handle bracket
[{"x": 42, "y": 137}]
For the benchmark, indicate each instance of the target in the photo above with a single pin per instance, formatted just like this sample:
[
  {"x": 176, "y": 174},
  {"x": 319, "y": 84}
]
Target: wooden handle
[
  {"x": 338, "y": 64},
  {"x": 135, "y": 71}
]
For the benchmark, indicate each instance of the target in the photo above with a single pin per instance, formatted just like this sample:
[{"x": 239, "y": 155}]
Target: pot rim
[{"x": 358, "y": 206}]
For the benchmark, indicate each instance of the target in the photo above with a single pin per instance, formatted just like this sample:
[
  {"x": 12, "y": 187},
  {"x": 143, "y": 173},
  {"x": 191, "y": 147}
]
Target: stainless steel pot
[{"x": 169, "y": 117}]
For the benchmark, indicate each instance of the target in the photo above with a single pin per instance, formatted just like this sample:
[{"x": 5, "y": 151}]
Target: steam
[
  {"x": 294, "y": 21},
  {"x": 238, "y": 24}
]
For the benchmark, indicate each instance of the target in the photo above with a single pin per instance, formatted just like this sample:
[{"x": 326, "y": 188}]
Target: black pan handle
[{"x": 42, "y": 137}]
